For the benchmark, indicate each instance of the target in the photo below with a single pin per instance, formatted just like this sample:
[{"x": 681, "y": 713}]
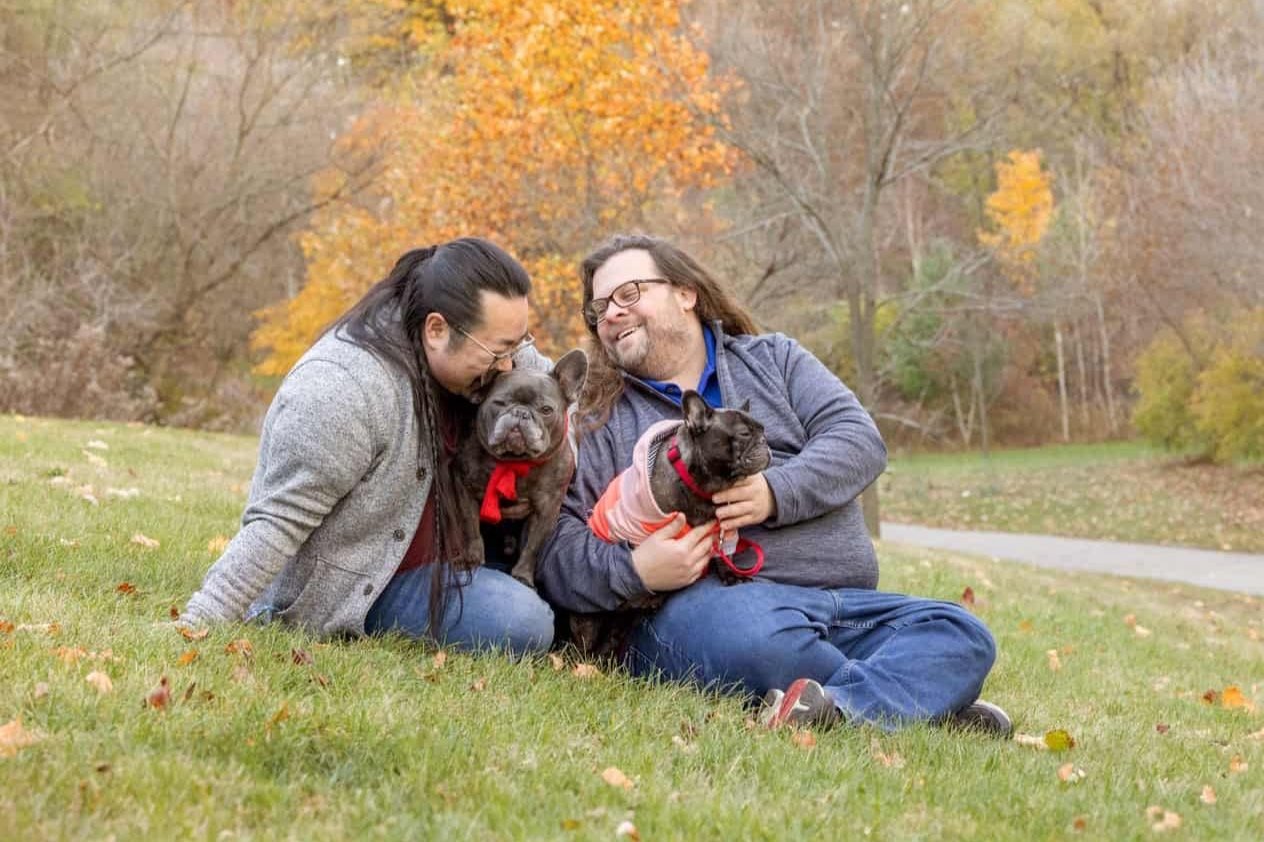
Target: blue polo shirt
[{"x": 708, "y": 384}]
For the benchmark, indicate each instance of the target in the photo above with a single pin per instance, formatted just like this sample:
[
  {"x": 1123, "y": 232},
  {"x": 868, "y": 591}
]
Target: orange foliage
[
  {"x": 1020, "y": 211},
  {"x": 543, "y": 126}
]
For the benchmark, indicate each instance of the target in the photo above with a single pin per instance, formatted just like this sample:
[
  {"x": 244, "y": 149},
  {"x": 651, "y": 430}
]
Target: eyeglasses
[
  {"x": 527, "y": 341},
  {"x": 625, "y": 295}
]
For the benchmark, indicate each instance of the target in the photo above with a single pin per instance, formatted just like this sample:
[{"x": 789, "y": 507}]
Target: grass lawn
[
  {"x": 1116, "y": 491},
  {"x": 286, "y": 737}
]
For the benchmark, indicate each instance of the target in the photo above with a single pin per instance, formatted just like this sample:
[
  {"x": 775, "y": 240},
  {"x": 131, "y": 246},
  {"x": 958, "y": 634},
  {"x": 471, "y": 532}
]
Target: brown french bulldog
[
  {"x": 715, "y": 448},
  {"x": 520, "y": 454}
]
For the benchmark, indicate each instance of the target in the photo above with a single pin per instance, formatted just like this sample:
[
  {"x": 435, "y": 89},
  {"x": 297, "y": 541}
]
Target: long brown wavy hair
[{"x": 605, "y": 380}]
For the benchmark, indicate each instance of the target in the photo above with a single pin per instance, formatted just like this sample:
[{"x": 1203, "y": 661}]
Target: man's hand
[
  {"x": 748, "y": 502},
  {"x": 667, "y": 563}
]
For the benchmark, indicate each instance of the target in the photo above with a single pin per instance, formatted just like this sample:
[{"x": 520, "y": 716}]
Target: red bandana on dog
[{"x": 503, "y": 485}]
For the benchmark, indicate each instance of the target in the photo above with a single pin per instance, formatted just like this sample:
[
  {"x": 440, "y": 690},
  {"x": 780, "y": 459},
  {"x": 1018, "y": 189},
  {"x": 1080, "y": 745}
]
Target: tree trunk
[
  {"x": 1062, "y": 384},
  {"x": 1106, "y": 384}
]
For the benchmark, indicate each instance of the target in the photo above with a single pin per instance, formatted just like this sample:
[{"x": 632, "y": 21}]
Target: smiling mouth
[{"x": 626, "y": 333}]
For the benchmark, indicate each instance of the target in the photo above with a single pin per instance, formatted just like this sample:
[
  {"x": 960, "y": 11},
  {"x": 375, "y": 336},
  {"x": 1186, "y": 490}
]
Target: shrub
[{"x": 1228, "y": 403}]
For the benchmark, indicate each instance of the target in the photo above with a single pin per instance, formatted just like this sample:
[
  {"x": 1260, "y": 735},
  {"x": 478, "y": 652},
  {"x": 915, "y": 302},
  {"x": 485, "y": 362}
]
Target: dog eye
[{"x": 547, "y": 410}]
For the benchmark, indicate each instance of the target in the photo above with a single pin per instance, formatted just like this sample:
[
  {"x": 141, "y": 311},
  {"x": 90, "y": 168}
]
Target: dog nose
[{"x": 520, "y": 413}]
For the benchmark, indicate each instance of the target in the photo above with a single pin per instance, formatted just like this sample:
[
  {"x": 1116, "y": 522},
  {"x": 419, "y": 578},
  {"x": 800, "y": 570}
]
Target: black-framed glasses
[
  {"x": 625, "y": 295},
  {"x": 497, "y": 356}
]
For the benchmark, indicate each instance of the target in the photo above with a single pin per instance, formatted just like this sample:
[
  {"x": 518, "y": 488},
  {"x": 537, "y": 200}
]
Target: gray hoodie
[
  {"x": 336, "y": 496},
  {"x": 825, "y": 451}
]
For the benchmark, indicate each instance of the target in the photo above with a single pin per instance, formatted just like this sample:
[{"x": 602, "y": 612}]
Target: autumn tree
[{"x": 541, "y": 125}]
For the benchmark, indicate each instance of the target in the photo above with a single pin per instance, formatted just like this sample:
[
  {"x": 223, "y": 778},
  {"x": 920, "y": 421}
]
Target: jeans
[
  {"x": 886, "y": 659},
  {"x": 494, "y": 611}
]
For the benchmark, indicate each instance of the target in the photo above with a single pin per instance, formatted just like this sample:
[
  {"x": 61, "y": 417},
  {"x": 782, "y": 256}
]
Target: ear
[
  {"x": 745, "y": 407},
  {"x": 571, "y": 371},
  {"x": 435, "y": 331},
  {"x": 688, "y": 297},
  {"x": 697, "y": 414}
]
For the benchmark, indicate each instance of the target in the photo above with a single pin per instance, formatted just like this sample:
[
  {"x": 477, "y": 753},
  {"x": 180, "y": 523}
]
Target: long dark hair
[
  {"x": 447, "y": 279},
  {"x": 605, "y": 380}
]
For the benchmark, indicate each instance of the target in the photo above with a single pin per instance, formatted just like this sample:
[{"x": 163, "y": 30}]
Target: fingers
[{"x": 744, "y": 489}]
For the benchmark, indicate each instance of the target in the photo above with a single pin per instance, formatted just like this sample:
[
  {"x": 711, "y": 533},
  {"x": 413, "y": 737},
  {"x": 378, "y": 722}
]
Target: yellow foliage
[
  {"x": 545, "y": 126},
  {"x": 1020, "y": 210}
]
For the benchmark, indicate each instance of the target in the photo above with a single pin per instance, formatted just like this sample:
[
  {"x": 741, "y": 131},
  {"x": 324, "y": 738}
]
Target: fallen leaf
[
  {"x": 803, "y": 738},
  {"x": 1162, "y": 820},
  {"x": 555, "y": 661},
  {"x": 1069, "y": 773},
  {"x": 571, "y": 824},
  {"x": 301, "y": 657},
  {"x": 160, "y": 696},
  {"x": 1211, "y": 697},
  {"x": 70, "y": 655},
  {"x": 173, "y": 612},
  {"x": 1130, "y": 620},
  {"x": 100, "y": 681},
  {"x": 479, "y": 686},
  {"x": 282, "y": 714},
  {"x": 1162, "y": 728},
  {"x": 217, "y": 545},
  {"x": 1233, "y": 697},
  {"x": 321, "y": 680},
  {"x": 126, "y": 588},
  {"x": 10, "y": 531},
  {"x": 1055, "y": 663},
  {"x": 1080, "y": 824},
  {"x": 615, "y": 777},
  {"x": 193, "y": 634},
  {"x": 1237, "y": 765},
  {"x": 1208, "y": 796},
  {"x": 6, "y": 627},
  {"x": 440, "y": 659},
  {"x": 187, "y": 658},
  {"x": 145, "y": 541},
  {"x": 14, "y": 738},
  {"x": 626, "y": 828},
  {"x": 1059, "y": 740},
  {"x": 1026, "y": 626},
  {"x": 586, "y": 671},
  {"x": 967, "y": 597},
  {"x": 241, "y": 647}
]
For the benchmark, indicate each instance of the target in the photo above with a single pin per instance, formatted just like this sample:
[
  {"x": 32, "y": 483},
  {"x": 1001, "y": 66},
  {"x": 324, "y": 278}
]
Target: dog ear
[
  {"x": 571, "y": 371},
  {"x": 697, "y": 414}
]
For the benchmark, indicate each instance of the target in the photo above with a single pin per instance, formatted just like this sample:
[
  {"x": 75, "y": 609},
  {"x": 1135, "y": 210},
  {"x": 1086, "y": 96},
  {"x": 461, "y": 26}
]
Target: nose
[{"x": 503, "y": 365}]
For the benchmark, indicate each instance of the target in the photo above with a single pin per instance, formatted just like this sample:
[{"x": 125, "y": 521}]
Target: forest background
[{"x": 999, "y": 221}]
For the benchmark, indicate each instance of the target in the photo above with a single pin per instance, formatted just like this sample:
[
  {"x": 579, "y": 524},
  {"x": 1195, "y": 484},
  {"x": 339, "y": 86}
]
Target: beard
[{"x": 655, "y": 351}]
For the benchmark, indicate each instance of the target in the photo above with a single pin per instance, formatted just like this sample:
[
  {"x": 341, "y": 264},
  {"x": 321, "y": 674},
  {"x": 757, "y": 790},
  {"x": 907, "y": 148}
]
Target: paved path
[{"x": 1242, "y": 572}]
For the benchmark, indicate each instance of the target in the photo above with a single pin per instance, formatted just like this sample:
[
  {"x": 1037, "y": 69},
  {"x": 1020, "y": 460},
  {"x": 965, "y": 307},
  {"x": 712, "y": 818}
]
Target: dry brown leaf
[
  {"x": 1233, "y": 697},
  {"x": 1161, "y": 819},
  {"x": 10, "y": 531},
  {"x": 14, "y": 738},
  {"x": 1069, "y": 773},
  {"x": 1055, "y": 663},
  {"x": 967, "y": 597},
  {"x": 145, "y": 541},
  {"x": 173, "y": 612},
  {"x": 1130, "y": 620},
  {"x": 193, "y": 634},
  {"x": 6, "y": 627},
  {"x": 1237, "y": 765},
  {"x": 282, "y": 714},
  {"x": 241, "y": 647},
  {"x": 70, "y": 655},
  {"x": 891, "y": 761},
  {"x": 1026, "y": 626},
  {"x": 1080, "y": 824},
  {"x": 803, "y": 738},
  {"x": 301, "y": 658},
  {"x": 1211, "y": 697},
  {"x": 555, "y": 661},
  {"x": 626, "y": 828},
  {"x": 615, "y": 777},
  {"x": 586, "y": 671},
  {"x": 126, "y": 589},
  {"x": 1208, "y": 796},
  {"x": 100, "y": 681},
  {"x": 440, "y": 659},
  {"x": 160, "y": 696},
  {"x": 479, "y": 686},
  {"x": 187, "y": 658},
  {"x": 217, "y": 545}
]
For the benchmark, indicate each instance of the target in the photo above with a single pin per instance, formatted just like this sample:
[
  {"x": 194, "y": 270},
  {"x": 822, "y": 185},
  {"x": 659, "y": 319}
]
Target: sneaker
[
  {"x": 984, "y": 717},
  {"x": 804, "y": 702}
]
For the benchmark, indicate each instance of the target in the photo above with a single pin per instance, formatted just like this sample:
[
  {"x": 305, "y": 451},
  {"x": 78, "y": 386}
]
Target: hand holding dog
[
  {"x": 749, "y": 501},
  {"x": 666, "y": 563}
]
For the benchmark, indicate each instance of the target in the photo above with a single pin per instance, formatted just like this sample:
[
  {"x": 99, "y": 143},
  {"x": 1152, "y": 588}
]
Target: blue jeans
[
  {"x": 885, "y": 658},
  {"x": 494, "y": 611}
]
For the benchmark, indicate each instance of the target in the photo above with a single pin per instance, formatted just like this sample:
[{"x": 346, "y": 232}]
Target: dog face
[
  {"x": 725, "y": 445},
  {"x": 523, "y": 413}
]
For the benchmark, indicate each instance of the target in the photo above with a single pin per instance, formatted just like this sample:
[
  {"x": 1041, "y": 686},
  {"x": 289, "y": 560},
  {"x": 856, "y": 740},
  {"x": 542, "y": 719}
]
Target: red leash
[{"x": 673, "y": 456}]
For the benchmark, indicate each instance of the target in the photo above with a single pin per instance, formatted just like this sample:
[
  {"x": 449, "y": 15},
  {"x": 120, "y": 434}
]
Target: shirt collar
[{"x": 705, "y": 382}]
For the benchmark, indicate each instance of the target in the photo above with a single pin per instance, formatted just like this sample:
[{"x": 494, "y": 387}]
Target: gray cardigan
[
  {"x": 825, "y": 450},
  {"x": 336, "y": 496}
]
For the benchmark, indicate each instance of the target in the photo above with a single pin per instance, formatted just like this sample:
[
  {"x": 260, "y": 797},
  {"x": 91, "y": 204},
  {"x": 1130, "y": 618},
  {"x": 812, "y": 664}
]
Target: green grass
[
  {"x": 1116, "y": 491},
  {"x": 377, "y": 741}
]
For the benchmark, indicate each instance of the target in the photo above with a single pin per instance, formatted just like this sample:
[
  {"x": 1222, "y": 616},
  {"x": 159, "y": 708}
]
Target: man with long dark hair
[
  {"x": 351, "y": 518},
  {"x": 810, "y": 634}
]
